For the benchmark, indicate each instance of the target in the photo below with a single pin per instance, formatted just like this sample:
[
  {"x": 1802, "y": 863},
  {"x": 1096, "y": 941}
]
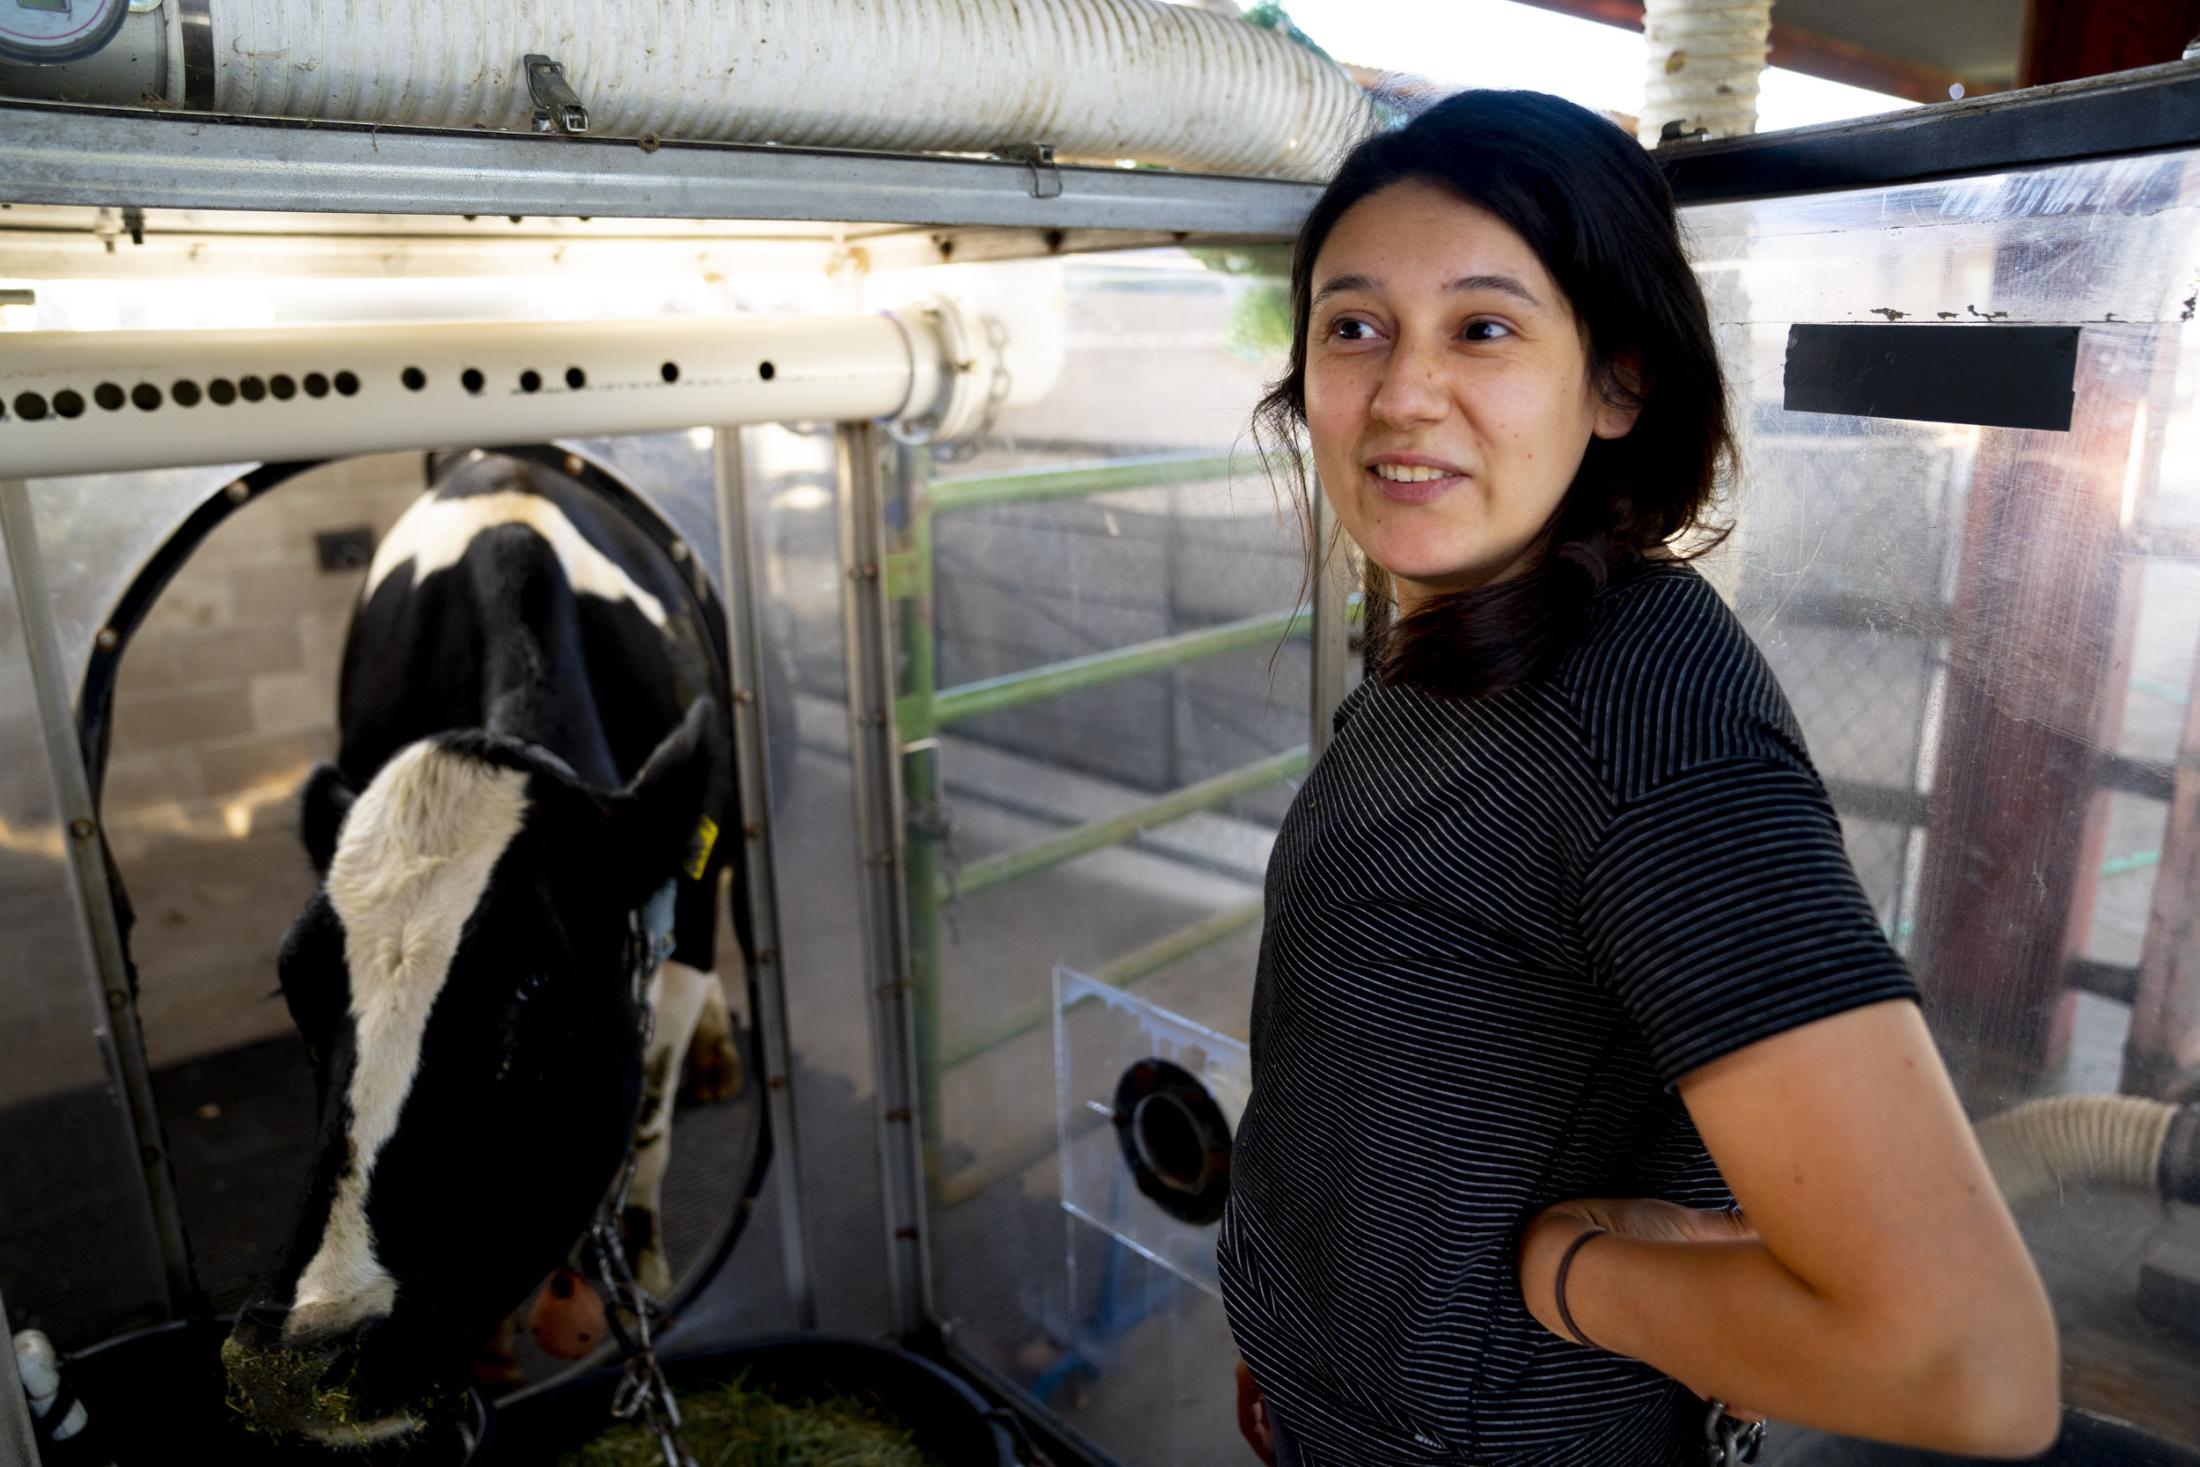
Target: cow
[{"x": 532, "y": 746}]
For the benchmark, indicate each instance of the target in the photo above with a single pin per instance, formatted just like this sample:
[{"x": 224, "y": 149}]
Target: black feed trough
[
  {"x": 156, "y": 1398},
  {"x": 951, "y": 1423}
]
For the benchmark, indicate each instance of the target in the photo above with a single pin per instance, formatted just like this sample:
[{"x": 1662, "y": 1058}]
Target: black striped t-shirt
[{"x": 1498, "y": 932}]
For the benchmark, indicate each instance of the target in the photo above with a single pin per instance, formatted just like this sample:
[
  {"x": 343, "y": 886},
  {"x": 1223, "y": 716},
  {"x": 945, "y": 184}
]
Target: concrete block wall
[{"x": 228, "y": 691}]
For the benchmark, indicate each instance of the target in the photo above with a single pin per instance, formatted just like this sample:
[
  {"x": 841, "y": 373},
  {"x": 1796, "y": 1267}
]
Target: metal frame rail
[{"x": 924, "y": 709}]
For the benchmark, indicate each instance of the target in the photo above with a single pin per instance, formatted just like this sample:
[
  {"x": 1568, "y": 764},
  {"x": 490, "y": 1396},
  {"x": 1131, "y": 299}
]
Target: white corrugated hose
[
  {"x": 1705, "y": 60},
  {"x": 1096, "y": 79},
  {"x": 2038, "y": 1148}
]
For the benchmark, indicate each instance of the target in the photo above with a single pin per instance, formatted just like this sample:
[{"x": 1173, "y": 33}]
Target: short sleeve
[{"x": 1721, "y": 908}]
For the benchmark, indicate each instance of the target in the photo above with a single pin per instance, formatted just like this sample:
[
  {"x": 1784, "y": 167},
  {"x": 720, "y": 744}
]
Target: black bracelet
[{"x": 1565, "y": 1315}]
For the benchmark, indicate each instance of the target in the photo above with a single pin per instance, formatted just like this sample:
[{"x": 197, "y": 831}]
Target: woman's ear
[{"x": 1621, "y": 395}]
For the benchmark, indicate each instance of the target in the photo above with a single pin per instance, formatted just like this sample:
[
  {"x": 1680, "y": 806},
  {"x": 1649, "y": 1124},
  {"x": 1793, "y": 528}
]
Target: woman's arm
[{"x": 1885, "y": 1292}]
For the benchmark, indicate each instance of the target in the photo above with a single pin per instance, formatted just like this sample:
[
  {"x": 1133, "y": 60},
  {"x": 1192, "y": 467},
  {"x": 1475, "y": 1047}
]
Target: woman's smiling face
[{"x": 1447, "y": 389}]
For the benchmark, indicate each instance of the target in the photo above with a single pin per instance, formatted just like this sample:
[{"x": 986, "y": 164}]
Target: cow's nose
[
  {"x": 289, "y": 1385},
  {"x": 260, "y": 1325}
]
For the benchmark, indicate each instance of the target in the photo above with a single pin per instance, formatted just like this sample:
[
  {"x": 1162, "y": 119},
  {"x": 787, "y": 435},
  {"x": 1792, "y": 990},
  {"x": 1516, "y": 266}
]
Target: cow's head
[{"x": 463, "y": 982}]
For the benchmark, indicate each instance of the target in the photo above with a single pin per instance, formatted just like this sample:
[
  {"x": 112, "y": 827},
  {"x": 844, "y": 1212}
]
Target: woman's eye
[
  {"x": 1487, "y": 331},
  {"x": 1351, "y": 328}
]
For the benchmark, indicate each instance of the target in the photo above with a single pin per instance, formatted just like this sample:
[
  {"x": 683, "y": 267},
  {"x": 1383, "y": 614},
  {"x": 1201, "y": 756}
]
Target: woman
[{"x": 1564, "y": 958}]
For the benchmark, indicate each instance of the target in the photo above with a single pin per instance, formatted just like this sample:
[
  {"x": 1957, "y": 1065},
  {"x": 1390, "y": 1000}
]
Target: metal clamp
[
  {"x": 557, "y": 106},
  {"x": 1728, "y": 1442},
  {"x": 1046, "y": 177}
]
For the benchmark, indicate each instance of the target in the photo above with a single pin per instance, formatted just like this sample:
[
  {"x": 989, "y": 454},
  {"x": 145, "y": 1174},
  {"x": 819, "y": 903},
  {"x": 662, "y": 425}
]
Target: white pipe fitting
[
  {"x": 2042, "y": 1146},
  {"x": 1095, "y": 79},
  {"x": 39, "y": 1366},
  {"x": 1705, "y": 58},
  {"x": 108, "y": 401}
]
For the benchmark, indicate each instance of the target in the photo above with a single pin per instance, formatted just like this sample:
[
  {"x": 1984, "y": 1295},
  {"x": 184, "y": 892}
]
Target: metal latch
[
  {"x": 557, "y": 105},
  {"x": 1046, "y": 178}
]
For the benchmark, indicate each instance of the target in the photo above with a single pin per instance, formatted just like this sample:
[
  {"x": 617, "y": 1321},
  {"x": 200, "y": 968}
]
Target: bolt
[
  {"x": 117, "y": 1000},
  {"x": 753, "y": 830},
  {"x": 778, "y": 1082},
  {"x": 82, "y": 829},
  {"x": 900, "y": 1114},
  {"x": 573, "y": 464},
  {"x": 743, "y": 695},
  {"x": 238, "y": 491},
  {"x": 108, "y": 639},
  {"x": 679, "y": 550},
  {"x": 906, "y": 1235},
  {"x": 150, "y": 1155},
  {"x": 766, "y": 955}
]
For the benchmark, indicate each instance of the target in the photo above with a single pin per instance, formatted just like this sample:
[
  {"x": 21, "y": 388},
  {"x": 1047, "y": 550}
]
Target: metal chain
[
  {"x": 633, "y": 1313},
  {"x": 1730, "y": 1443}
]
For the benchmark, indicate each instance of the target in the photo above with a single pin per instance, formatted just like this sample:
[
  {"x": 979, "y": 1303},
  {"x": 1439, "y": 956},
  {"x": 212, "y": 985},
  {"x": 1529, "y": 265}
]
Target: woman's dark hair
[{"x": 1596, "y": 211}]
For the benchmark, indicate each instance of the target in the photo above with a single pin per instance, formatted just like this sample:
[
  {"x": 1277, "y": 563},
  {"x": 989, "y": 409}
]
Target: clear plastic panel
[
  {"x": 1989, "y": 637},
  {"x": 793, "y": 497},
  {"x": 77, "y": 1254},
  {"x": 1138, "y": 1091},
  {"x": 99, "y": 530}
]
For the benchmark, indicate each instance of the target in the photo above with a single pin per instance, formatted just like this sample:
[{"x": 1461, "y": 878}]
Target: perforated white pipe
[
  {"x": 1705, "y": 60},
  {"x": 1096, "y": 79},
  {"x": 2076, "y": 1140},
  {"x": 81, "y": 402}
]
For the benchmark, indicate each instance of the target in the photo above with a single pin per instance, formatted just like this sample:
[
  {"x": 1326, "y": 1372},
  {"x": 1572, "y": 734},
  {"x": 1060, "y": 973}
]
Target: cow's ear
[
  {"x": 655, "y": 816},
  {"x": 326, "y": 800}
]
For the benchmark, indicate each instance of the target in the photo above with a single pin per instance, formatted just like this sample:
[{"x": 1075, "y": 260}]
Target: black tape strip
[
  {"x": 196, "y": 23},
  {"x": 57, "y": 1410},
  {"x": 1995, "y": 376}
]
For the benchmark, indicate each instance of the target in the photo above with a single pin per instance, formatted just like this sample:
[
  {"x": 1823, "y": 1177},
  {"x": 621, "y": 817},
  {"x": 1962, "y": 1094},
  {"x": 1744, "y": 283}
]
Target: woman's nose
[{"x": 1411, "y": 392}]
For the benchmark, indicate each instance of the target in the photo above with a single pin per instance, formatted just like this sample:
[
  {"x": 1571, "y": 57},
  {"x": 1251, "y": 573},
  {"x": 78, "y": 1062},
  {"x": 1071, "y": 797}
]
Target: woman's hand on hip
[
  {"x": 1551, "y": 1232},
  {"x": 1252, "y": 1414}
]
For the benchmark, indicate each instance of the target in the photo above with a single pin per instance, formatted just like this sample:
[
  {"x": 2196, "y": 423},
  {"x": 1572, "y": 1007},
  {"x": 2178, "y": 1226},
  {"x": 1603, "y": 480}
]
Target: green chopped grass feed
[{"x": 737, "y": 1426}]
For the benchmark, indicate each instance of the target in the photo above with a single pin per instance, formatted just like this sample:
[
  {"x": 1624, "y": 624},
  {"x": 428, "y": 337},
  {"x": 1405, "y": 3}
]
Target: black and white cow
[{"x": 532, "y": 745}]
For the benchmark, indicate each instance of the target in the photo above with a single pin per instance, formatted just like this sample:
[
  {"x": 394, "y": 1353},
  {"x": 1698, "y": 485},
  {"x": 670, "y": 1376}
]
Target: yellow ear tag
[{"x": 699, "y": 847}]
